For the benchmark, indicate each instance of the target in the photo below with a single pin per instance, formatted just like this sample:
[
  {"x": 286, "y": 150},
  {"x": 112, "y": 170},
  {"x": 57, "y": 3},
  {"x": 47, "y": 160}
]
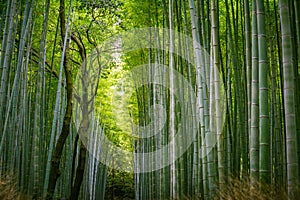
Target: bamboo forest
[{"x": 149, "y": 99}]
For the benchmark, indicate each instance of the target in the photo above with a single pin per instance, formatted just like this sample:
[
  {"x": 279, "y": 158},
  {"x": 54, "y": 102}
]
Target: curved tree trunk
[{"x": 56, "y": 156}]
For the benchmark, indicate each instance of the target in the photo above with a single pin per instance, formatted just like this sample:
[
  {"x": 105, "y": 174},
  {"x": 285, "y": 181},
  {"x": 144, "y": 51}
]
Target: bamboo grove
[{"x": 240, "y": 60}]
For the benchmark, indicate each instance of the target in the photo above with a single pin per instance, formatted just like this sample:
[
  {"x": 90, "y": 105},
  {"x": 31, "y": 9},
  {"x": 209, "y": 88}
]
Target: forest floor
[{"x": 236, "y": 190}]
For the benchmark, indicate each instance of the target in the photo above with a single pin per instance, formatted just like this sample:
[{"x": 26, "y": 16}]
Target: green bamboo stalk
[
  {"x": 254, "y": 134},
  {"x": 6, "y": 57},
  {"x": 289, "y": 98},
  {"x": 248, "y": 60},
  {"x": 264, "y": 134},
  {"x": 218, "y": 111}
]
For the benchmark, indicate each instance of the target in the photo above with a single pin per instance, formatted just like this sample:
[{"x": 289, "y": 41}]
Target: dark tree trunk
[{"x": 56, "y": 156}]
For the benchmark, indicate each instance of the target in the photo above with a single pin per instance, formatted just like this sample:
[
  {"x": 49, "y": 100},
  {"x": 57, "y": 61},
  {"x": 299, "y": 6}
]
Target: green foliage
[
  {"x": 113, "y": 107},
  {"x": 258, "y": 62},
  {"x": 120, "y": 185}
]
